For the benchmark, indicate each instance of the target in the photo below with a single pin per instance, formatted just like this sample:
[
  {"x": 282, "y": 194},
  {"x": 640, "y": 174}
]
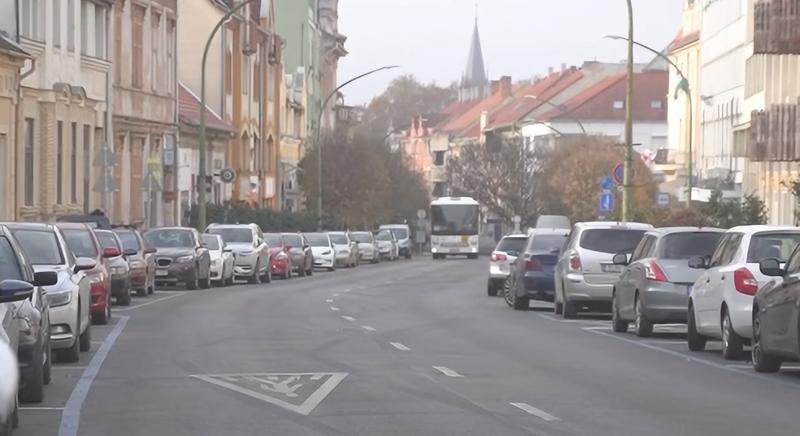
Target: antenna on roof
[{"x": 476, "y": 11}]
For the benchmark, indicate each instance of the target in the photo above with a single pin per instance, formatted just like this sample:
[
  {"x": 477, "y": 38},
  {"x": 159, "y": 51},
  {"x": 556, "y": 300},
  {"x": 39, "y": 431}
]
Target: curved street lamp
[{"x": 564, "y": 110}]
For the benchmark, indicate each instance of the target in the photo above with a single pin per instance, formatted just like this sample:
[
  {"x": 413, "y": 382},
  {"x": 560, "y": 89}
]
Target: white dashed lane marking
[
  {"x": 535, "y": 412},
  {"x": 348, "y": 318},
  {"x": 447, "y": 371},
  {"x": 329, "y": 300},
  {"x": 334, "y": 308},
  {"x": 400, "y": 346},
  {"x": 369, "y": 328}
]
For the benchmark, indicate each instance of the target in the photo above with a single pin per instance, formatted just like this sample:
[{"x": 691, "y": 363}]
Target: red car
[
  {"x": 279, "y": 261},
  {"x": 82, "y": 241}
]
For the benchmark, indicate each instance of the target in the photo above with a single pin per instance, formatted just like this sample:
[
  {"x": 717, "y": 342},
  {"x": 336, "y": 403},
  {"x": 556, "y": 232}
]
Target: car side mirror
[
  {"x": 45, "y": 278},
  {"x": 84, "y": 264},
  {"x": 771, "y": 267},
  {"x": 620, "y": 259},
  {"x": 111, "y": 252},
  {"x": 15, "y": 290},
  {"x": 130, "y": 252},
  {"x": 698, "y": 262}
]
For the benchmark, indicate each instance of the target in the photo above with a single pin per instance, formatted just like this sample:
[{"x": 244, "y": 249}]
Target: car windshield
[
  {"x": 293, "y": 240},
  {"x": 80, "y": 242},
  {"x": 547, "y": 243},
  {"x": 318, "y": 240},
  {"x": 400, "y": 233},
  {"x": 212, "y": 242},
  {"x": 42, "y": 247},
  {"x": 384, "y": 235},
  {"x": 772, "y": 245},
  {"x": 233, "y": 235},
  {"x": 338, "y": 239},
  {"x": 362, "y": 237},
  {"x": 129, "y": 240},
  {"x": 107, "y": 239},
  {"x": 611, "y": 240},
  {"x": 511, "y": 244},
  {"x": 9, "y": 266},
  {"x": 455, "y": 219},
  {"x": 169, "y": 238},
  {"x": 273, "y": 239},
  {"x": 689, "y": 244}
]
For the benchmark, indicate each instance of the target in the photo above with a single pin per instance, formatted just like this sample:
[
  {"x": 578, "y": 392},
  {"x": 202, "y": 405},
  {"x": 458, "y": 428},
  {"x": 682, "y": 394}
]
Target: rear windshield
[
  {"x": 339, "y": 239},
  {"x": 687, "y": 245},
  {"x": 772, "y": 246},
  {"x": 107, "y": 240},
  {"x": 293, "y": 240},
  {"x": 362, "y": 237},
  {"x": 80, "y": 242},
  {"x": 129, "y": 240},
  {"x": 547, "y": 243},
  {"x": 400, "y": 233},
  {"x": 41, "y": 247},
  {"x": 511, "y": 244},
  {"x": 233, "y": 235},
  {"x": 211, "y": 241},
  {"x": 611, "y": 240}
]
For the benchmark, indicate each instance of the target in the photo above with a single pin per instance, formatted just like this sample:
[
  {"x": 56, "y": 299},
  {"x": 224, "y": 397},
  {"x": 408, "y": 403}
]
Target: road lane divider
[
  {"x": 400, "y": 346},
  {"x": 539, "y": 413},
  {"x": 335, "y": 309},
  {"x": 329, "y": 300},
  {"x": 369, "y": 328},
  {"x": 447, "y": 371},
  {"x": 158, "y": 300},
  {"x": 348, "y": 318}
]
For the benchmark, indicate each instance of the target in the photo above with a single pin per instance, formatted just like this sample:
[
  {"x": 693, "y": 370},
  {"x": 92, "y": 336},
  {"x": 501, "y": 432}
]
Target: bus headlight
[
  {"x": 434, "y": 249},
  {"x": 474, "y": 249}
]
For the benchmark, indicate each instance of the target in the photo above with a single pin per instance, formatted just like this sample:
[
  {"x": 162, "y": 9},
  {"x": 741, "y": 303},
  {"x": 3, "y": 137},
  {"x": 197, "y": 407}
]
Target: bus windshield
[{"x": 454, "y": 219}]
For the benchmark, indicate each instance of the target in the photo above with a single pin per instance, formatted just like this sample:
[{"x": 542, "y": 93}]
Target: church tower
[{"x": 474, "y": 83}]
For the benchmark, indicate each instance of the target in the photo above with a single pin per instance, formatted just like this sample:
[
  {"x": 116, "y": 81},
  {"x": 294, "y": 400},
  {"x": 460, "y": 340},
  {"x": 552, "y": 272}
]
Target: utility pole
[{"x": 626, "y": 184}]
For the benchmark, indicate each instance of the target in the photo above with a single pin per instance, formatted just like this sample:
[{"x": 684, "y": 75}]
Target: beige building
[
  {"x": 331, "y": 50},
  {"x": 293, "y": 139},
  {"x": 63, "y": 106}
]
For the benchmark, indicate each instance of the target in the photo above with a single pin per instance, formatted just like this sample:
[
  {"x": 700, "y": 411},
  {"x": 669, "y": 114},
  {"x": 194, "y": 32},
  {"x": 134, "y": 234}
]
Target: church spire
[{"x": 475, "y": 73}]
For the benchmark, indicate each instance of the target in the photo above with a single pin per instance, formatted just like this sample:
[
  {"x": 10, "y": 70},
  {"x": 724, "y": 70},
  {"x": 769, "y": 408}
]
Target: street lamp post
[
  {"x": 626, "y": 184},
  {"x": 562, "y": 108},
  {"x": 319, "y": 130},
  {"x": 683, "y": 85},
  {"x": 203, "y": 146}
]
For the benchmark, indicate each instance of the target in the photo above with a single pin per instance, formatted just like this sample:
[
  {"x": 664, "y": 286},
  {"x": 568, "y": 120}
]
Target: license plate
[
  {"x": 161, "y": 272},
  {"x": 611, "y": 268}
]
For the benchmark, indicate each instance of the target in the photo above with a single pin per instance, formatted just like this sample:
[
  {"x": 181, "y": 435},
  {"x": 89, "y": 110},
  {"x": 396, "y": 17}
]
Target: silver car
[
  {"x": 367, "y": 247},
  {"x": 585, "y": 272},
  {"x": 251, "y": 253},
  {"x": 221, "y": 260},
  {"x": 8, "y": 384},
  {"x": 345, "y": 248},
  {"x": 501, "y": 259},
  {"x": 387, "y": 245},
  {"x": 654, "y": 286}
]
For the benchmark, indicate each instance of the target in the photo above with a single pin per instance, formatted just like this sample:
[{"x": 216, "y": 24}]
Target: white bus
[{"x": 455, "y": 227}]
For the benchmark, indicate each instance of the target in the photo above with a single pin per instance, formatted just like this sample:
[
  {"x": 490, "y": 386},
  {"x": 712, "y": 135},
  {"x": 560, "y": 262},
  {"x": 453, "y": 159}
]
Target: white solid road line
[
  {"x": 369, "y": 328},
  {"x": 58, "y": 409},
  {"x": 400, "y": 346},
  {"x": 329, "y": 300},
  {"x": 67, "y": 367},
  {"x": 447, "y": 371},
  {"x": 535, "y": 412},
  {"x": 334, "y": 308},
  {"x": 348, "y": 318},
  {"x": 169, "y": 297}
]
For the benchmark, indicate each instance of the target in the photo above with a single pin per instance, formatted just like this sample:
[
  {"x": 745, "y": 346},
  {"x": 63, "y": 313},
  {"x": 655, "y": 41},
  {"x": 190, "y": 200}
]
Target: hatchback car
[
  {"x": 69, "y": 299},
  {"x": 346, "y": 249},
  {"x": 403, "y": 235},
  {"x": 721, "y": 299},
  {"x": 221, "y": 260},
  {"x": 300, "y": 253},
  {"x": 367, "y": 247},
  {"x": 387, "y": 245},
  {"x": 654, "y": 286},
  {"x": 181, "y": 257},
  {"x": 509, "y": 247},
  {"x": 531, "y": 274},
  {"x": 81, "y": 240},
  {"x": 585, "y": 274},
  {"x": 280, "y": 263},
  {"x": 118, "y": 266},
  {"x": 251, "y": 253},
  {"x": 322, "y": 248},
  {"x": 141, "y": 261}
]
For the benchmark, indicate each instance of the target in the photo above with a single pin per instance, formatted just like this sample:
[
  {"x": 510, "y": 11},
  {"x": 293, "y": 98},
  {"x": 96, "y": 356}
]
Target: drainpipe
[
  {"x": 18, "y": 131},
  {"x": 109, "y": 120}
]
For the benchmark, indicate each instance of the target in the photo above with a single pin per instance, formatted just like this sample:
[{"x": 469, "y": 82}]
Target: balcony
[
  {"x": 776, "y": 27},
  {"x": 774, "y": 134}
]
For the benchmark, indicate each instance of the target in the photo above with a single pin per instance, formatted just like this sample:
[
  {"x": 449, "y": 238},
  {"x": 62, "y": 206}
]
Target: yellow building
[{"x": 12, "y": 58}]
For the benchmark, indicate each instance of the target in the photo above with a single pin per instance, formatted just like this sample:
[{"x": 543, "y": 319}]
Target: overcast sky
[{"x": 521, "y": 38}]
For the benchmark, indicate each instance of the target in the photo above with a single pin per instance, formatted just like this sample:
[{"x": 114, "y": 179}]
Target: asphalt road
[{"x": 402, "y": 348}]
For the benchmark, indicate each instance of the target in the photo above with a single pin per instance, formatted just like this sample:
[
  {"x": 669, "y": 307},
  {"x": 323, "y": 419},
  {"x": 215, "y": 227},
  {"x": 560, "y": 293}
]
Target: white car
[
  {"x": 721, "y": 300},
  {"x": 70, "y": 297},
  {"x": 322, "y": 249},
  {"x": 221, "y": 270},
  {"x": 366, "y": 246},
  {"x": 503, "y": 255},
  {"x": 8, "y": 386},
  {"x": 387, "y": 245},
  {"x": 346, "y": 249},
  {"x": 251, "y": 253}
]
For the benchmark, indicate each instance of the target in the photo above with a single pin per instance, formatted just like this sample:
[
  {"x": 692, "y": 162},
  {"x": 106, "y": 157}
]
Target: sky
[{"x": 521, "y": 38}]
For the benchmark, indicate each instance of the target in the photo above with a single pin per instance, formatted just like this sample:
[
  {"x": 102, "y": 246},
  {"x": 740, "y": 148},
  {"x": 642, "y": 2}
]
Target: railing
[
  {"x": 776, "y": 27},
  {"x": 774, "y": 134}
]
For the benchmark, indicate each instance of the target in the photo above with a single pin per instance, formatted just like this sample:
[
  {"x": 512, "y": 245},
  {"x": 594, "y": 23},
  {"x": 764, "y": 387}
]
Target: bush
[{"x": 269, "y": 220}]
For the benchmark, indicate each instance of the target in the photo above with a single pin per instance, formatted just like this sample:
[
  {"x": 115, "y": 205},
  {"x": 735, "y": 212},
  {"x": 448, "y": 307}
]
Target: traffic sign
[
  {"x": 619, "y": 173},
  {"x": 662, "y": 199},
  {"x": 227, "y": 175},
  {"x": 421, "y": 214},
  {"x": 606, "y": 205},
  {"x": 606, "y": 183}
]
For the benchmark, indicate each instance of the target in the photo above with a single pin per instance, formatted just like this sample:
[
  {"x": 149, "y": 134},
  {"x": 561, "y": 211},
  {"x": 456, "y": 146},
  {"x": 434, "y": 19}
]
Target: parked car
[
  {"x": 300, "y": 253},
  {"x": 9, "y": 383},
  {"x": 403, "y": 235},
  {"x": 181, "y": 257},
  {"x": 27, "y": 320},
  {"x": 70, "y": 298},
  {"x": 346, "y": 249},
  {"x": 322, "y": 248},
  {"x": 776, "y": 315},
  {"x": 118, "y": 266},
  {"x": 387, "y": 245},
  {"x": 721, "y": 299},
  {"x": 251, "y": 253},
  {"x": 82, "y": 242},
  {"x": 585, "y": 273},
  {"x": 509, "y": 247},
  {"x": 141, "y": 261},
  {"x": 221, "y": 260},
  {"x": 280, "y": 263},
  {"x": 655, "y": 282},
  {"x": 532, "y": 270},
  {"x": 367, "y": 247}
]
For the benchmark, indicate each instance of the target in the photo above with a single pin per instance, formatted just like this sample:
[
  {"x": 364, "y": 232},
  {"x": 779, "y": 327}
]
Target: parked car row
[{"x": 740, "y": 286}]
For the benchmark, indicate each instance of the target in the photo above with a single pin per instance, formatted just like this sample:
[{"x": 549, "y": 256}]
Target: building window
[
  {"x": 85, "y": 27},
  {"x": 656, "y": 104},
  {"x": 87, "y": 153},
  {"x": 171, "y": 38},
  {"x": 256, "y": 81},
  {"x": 619, "y": 104},
  {"x": 57, "y": 23},
  {"x": 100, "y": 33},
  {"x": 59, "y": 161},
  {"x": 73, "y": 166},
  {"x": 155, "y": 45},
  {"x": 30, "y": 20},
  {"x": 246, "y": 76},
  {"x": 29, "y": 125},
  {"x": 70, "y": 24},
  {"x": 137, "y": 61},
  {"x": 438, "y": 158}
]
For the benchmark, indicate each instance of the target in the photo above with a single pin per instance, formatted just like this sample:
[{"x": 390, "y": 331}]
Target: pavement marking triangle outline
[{"x": 274, "y": 384}]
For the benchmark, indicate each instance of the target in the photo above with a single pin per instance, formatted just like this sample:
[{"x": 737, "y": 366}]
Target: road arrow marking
[
  {"x": 348, "y": 318},
  {"x": 369, "y": 328},
  {"x": 335, "y": 309}
]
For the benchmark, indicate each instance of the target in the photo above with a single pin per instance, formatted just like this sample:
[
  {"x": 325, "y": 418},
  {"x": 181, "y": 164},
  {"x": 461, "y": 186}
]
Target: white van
[{"x": 403, "y": 235}]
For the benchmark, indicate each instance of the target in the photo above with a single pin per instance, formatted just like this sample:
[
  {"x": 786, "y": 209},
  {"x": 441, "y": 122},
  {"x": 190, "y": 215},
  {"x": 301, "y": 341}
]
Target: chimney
[
  {"x": 495, "y": 86},
  {"x": 505, "y": 86},
  {"x": 563, "y": 67},
  {"x": 550, "y": 71},
  {"x": 484, "y": 124}
]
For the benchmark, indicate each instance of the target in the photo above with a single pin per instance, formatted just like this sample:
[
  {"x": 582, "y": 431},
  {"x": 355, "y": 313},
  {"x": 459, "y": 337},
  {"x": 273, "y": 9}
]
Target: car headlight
[
  {"x": 281, "y": 256},
  {"x": 184, "y": 259},
  {"x": 434, "y": 250},
  {"x": 59, "y": 298}
]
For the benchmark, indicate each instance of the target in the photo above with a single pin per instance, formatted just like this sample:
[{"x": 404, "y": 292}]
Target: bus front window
[{"x": 454, "y": 220}]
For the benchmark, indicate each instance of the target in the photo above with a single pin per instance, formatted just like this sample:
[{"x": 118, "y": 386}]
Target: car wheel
[
  {"x": 570, "y": 310},
  {"x": 152, "y": 288},
  {"x": 310, "y": 271},
  {"x": 491, "y": 289},
  {"x": 762, "y": 361},
  {"x": 6, "y": 426},
  {"x": 142, "y": 292},
  {"x": 558, "y": 308},
  {"x": 301, "y": 271},
  {"x": 86, "y": 339},
  {"x": 204, "y": 283},
  {"x": 694, "y": 340},
  {"x": 641, "y": 325},
  {"x": 618, "y": 324},
  {"x": 34, "y": 387},
  {"x": 194, "y": 283},
  {"x": 508, "y": 294},
  {"x": 125, "y": 298},
  {"x": 732, "y": 343},
  {"x": 288, "y": 274}
]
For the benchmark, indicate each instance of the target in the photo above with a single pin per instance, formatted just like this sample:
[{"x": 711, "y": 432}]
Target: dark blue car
[{"x": 533, "y": 273}]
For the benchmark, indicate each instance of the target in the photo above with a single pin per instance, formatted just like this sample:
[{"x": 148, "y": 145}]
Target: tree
[{"x": 729, "y": 213}]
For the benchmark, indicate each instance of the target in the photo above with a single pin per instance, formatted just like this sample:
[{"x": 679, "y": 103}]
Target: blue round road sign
[
  {"x": 619, "y": 173},
  {"x": 606, "y": 183}
]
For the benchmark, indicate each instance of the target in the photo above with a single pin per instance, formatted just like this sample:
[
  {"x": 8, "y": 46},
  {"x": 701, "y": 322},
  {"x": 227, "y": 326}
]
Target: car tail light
[
  {"x": 574, "y": 263},
  {"x": 98, "y": 287},
  {"x": 498, "y": 256},
  {"x": 652, "y": 271},
  {"x": 533, "y": 265},
  {"x": 744, "y": 281}
]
